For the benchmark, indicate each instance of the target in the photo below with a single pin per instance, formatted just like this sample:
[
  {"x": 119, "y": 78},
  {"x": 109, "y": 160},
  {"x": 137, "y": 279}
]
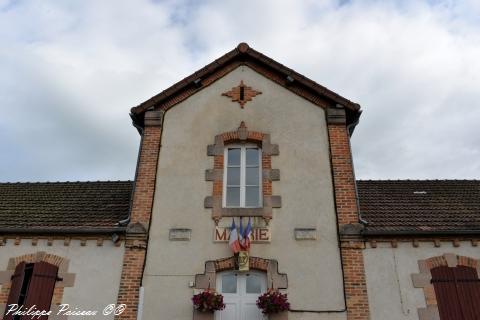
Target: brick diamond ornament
[{"x": 241, "y": 93}]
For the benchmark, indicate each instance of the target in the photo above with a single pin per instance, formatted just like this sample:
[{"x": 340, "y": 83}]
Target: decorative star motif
[{"x": 241, "y": 94}]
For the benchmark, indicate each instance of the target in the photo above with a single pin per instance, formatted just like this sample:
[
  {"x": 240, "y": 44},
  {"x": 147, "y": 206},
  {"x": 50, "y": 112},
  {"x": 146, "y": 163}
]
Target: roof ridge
[{"x": 240, "y": 54}]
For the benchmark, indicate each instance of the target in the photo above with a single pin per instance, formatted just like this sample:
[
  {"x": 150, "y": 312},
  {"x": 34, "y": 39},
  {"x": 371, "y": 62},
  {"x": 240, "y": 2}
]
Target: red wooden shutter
[
  {"x": 15, "y": 289},
  {"x": 468, "y": 291},
  {"x": 40, "y": 290},
  {"x": 458, "y": 292},
  {"x": 443, "y": 281}
]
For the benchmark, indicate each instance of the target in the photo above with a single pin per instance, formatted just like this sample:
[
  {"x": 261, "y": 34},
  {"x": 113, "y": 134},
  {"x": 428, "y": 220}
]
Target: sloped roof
[
  {"x": 420, "y": 206},
  {"x": 64, "y": 206},
  {"x": 244, "y": 55},
  {"x": 389, "y": 206}
]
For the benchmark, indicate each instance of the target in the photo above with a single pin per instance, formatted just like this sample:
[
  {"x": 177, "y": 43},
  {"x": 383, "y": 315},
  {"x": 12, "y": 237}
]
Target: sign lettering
[{"x": 258, "y": 235}]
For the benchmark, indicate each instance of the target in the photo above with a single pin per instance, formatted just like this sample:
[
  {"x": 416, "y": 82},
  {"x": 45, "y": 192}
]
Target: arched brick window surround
[
  {"x": 68, "y": 279},
  {"x": 207, "y": 280},
  {"x": 242, "y": 134},
  {"x": 423, "y": 280},
  {"x": 275, "y": 279}
]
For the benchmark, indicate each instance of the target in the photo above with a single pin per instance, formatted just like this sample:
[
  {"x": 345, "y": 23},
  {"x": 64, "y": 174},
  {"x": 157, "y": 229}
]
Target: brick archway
[
  {"x": 275, "y": 279},
  {"x": 207, "y": 279},
  {"x": 423, "y": 280}
]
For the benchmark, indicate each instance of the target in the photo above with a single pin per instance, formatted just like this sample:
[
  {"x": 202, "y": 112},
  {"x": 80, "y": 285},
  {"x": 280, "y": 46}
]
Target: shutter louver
[
  {"x": 468, "y": 290},
  {"x": 458, "y": 292},
  {"x": 40, "y": 290},
  {"x": 16, "y": 288},
  {"x": 443, "y": 281}
]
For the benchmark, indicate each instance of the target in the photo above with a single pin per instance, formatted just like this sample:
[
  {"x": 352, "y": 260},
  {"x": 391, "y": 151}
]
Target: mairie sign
[{"x": 222, "y": 234}]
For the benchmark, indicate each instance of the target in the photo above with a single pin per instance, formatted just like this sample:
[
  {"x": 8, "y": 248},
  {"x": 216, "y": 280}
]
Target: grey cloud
[{"x": 72, "y": 70}]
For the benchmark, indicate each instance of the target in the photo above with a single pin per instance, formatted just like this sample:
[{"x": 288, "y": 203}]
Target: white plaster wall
[
  {"x": 388, "y": 271},
  {"x": 299, "y": 128},
  {"x": 97, "y": 270}
]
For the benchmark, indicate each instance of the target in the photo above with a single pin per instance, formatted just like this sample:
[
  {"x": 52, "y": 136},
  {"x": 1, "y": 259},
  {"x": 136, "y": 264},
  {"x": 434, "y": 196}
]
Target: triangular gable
[{"x": 244, "y": 55}]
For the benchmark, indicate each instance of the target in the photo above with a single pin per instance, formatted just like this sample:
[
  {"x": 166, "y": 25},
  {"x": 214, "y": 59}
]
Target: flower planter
[
  {"x": 206, "y": 303},
  {"x": 274, "y": 304},
  {"x": 278, "y": 316},
  {"x": 198, "y": 315}
]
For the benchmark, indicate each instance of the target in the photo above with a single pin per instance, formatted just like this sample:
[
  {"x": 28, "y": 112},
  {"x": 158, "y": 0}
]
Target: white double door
[{"x": 240, "y": 292}]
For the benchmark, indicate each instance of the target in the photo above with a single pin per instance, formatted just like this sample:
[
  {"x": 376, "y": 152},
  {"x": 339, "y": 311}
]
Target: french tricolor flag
[
  {"x": 246, "y": 235},
  {"x": 234, "y": 243}
]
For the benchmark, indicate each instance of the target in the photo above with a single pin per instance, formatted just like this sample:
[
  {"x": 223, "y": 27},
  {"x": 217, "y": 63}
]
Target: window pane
[
  {"x": 234, "y": 157},
  {"x": 251, "y": 197},
  {"x": 254, "y": 284},
  {"x": 252, "y": 157},
  {"x": 252, "y": 176},
  {"x": 233, "y": 196},
  {"x": 233, "y": 176},
  {"x": 229, "y": 283}
]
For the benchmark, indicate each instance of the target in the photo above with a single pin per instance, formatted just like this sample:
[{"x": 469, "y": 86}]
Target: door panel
[
  {"x": 231, "y": 311},
  {"x": 251, "y": 312},
  {"x": 240, "y": 293}
]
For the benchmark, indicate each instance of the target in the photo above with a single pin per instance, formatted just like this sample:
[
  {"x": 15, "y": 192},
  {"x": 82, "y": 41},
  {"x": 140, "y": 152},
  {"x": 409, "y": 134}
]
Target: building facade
[{"x": 246, "y": 140}]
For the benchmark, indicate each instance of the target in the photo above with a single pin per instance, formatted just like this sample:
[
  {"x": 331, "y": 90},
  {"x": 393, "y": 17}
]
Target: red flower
[
  {"x": 273, "y": 301},
  {"x": 208, "y": 301}
]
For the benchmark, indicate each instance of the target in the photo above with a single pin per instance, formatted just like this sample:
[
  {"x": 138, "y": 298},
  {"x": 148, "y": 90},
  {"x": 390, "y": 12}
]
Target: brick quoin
[
  {"x": 140, "y": 214},
  {"x": 347, "y": 214}
]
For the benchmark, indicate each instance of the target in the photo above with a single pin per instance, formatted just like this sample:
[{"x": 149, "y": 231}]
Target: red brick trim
[
  {"x": 242, "y": 134},
  {"x": 423, "y": 280},
  {"x": 274, "y": 278},
  {"x": 207, "y": 280},
  {"x": 354, "y": 280},
  {"x": 284, "y": 76},
  {"x": 241, "y": 94},
  {"x": 140, "y": 216},
  {"x": 180, "y": 96},
  {"x": 352, "y": 245}
]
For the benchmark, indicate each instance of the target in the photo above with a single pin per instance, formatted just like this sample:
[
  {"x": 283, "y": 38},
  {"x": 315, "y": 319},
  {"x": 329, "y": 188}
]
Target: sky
[{"x": 71, "y": 70}]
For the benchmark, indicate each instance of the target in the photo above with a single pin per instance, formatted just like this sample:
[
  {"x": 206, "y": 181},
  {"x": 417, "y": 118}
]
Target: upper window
[{"x": 242, "y": 184}]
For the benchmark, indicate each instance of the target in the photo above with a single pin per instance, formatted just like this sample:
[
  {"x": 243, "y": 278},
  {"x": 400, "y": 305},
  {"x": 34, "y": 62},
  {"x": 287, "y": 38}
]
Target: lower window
[
  {"x": 32, "y": 285},
  {"x": 457, "y": 291}
]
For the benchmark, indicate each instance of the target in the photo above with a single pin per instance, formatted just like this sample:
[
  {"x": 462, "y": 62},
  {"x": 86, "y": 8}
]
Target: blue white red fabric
[
  {"x": 234, "y": 242},
  {"x": 246, "y": 235},
  {"x": 240, "y": 233}
]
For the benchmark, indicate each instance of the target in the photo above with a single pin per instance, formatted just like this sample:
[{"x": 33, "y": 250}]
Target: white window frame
[{"x": 243, "y": 150}]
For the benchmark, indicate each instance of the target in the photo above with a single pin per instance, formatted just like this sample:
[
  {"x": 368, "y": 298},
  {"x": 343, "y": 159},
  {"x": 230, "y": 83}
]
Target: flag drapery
[
  {"x": 240, "y": 239},
  {"x": 234, "y": 242},
  {"x": 246, "y": 235}
]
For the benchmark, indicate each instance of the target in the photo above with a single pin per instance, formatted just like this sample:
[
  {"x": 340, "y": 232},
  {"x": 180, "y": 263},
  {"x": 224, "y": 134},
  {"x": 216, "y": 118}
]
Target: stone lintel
[
  {"x": 154, "y": 118},
  {"x": 336, "y": 115},
  {"x": 305, "y": 233},
  {"x": 5, "y": 276},
  {"x": 180, "y": 234},
  {"x": 428, "y": 313},
  {"x": 136, "y": 228},
  {"x": 421, "y": 280},
  {"x": 213, "y": 174},
  {"x": 451, "y": 259},
  {"x": 351, "y": 229},
  {"x": 208, "y": 202},
  {"x": 271, "y": 174},
  {"x": 68, "y": 280}
]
